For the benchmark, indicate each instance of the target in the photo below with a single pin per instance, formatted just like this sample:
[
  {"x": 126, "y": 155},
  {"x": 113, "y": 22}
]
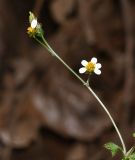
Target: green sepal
[
  {"x": 39, "y": 30},
  {"x": 31, "y": 17}
]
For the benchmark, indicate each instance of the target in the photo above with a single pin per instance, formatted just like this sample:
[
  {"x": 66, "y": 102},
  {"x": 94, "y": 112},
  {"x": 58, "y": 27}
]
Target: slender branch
[
  {"x": 47, "y": 46},
  {"x": 112, "y": 120}
]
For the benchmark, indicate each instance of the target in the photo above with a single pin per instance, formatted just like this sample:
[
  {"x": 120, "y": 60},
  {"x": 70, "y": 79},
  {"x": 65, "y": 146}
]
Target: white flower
[
  {"x": 34, "y": 23},
  {"x": 91, "y": 66}
]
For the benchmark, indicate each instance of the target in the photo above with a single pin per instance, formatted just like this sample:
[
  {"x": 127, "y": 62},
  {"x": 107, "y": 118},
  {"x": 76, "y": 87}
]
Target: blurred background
[{"x": 45, "y": 112}]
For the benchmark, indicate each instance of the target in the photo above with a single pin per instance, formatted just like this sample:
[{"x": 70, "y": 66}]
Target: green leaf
[
  {"x": 113, "y": 148},
  {"x": 132, "y": 156},
  {"x": 134, "y": 135}
]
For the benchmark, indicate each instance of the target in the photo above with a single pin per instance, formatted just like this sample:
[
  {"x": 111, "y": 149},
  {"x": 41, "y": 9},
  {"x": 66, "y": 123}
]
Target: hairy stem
[{"x": 47, "y": 46}]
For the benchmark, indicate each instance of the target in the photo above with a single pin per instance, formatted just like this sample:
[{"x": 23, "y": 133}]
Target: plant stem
[
  {"x": 112, "y": 120},
  {"x": 47, "y": 46}
]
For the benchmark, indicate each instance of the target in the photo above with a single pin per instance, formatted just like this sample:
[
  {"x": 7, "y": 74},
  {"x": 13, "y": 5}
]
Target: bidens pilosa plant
[{"x": 35, "y": 31}]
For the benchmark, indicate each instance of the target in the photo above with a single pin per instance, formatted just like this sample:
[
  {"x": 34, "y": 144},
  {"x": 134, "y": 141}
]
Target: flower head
[
  {"x": 35, "y": 28},
  {"x": 91, "y": 66}
]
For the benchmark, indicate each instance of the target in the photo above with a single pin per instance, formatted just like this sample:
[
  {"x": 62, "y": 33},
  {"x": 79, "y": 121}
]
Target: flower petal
[
  {"x": 34, "y": 23},
  {"x": 97, "y": 71},
  {"x": 94, "y": 60},
  {"x": 98, "y": 65},
  {"x": 84, "y": 62},
  {"x": 82, "y": 70}
]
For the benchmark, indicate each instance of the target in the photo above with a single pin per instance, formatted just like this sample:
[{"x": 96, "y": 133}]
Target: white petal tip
[
  {"x": 98, "y": 65},
  {"x": 82, "y": 70},
  {"x": 34, "y": 23},
  {"x": 84, "y": 62},
  {"x": 94, "y": 60},
  {"x": 97, "y": 71}
]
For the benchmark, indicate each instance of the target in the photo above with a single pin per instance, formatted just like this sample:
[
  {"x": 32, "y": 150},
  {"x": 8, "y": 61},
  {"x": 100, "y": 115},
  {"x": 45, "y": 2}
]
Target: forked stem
[{"x": 47, "y": 46}]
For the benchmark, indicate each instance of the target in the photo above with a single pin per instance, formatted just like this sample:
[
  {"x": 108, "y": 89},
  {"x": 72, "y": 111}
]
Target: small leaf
[
  {"x": 113, "y": 148},
  {"x": 134, "y": 135}
]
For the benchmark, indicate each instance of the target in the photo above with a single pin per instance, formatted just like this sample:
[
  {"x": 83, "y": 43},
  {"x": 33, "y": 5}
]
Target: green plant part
[
  {"x": 130, "y": 155},
  {"x": 113, "y": 148}
]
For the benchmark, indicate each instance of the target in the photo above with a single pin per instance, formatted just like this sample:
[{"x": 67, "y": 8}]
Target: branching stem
[{"x": 51, "y": 51}]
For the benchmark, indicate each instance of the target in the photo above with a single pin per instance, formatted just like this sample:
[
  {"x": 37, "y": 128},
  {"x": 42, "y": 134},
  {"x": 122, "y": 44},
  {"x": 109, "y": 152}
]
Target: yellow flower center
[
  {"x": 90, "y": 67},
  {"x": 30, "y": 30}
]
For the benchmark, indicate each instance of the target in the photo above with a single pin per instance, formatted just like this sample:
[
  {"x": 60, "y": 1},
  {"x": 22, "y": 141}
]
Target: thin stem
[
  {"x": 47, "y": 46},
  {"x": 112, "y": 120}
]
